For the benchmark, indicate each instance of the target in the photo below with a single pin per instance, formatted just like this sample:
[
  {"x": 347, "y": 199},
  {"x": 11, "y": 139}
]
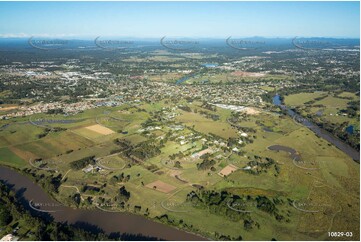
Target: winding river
[
  {"x": 109, "y": 222},
  {"x": 353, "y": 153}
]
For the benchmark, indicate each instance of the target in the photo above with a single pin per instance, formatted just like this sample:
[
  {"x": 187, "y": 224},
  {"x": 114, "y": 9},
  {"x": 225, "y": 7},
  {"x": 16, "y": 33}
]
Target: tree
[
  {"x": 5, "y": 217},
  {"x": 124, "y": 195}
]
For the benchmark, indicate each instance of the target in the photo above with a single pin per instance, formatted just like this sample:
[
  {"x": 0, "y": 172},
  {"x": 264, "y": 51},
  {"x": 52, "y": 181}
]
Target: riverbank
[
  {"x": 108, "y": 222},
  {"x": 354, "y": 154}
]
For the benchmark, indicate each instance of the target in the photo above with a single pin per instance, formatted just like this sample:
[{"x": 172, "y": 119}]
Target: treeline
[
  {"x": 139, "y": 152},
  {"x": 352, "y": 109},
  {"x": 262, "y": 165},
  {"x": 209, "y": 106},
  {"x": 13, "y": 215},
  {"x": 48, "y": 130},
  {"x": 82, "y": 163},
  {"x": 167, "y": 219},
  {"x": 206, "y": 164},
  {"x": 50, "y": 183},
  {"x": 185, "y": 108},
  {"x": 214, "y": 117},
  {"x": 339, "y": 131},
  {"x": 145, "y": 150},
  {"x": 12, "y": 211},
  {"x": 236, "y": 207},
  {"x": 55, "y": 111}
]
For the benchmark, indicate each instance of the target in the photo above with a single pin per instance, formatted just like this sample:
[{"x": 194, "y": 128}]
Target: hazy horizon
[
  {"x": 86, "y": 38},
  {"x": 192, "y": 19}
]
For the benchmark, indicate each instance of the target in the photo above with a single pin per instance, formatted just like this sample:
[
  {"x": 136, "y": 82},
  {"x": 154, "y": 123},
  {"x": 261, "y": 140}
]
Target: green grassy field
[
  {"x": 333, "y": 182},
  {"x": 205, "y": 125},
  {"x": 302, "y": 98},
  {"x": 327, "y": 109},
  {"x": 8, "y": 158}
]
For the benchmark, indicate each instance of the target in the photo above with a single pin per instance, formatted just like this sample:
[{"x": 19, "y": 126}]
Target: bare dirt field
[
  {"x": 160, "y": 186},
  {"x": 100, "y": 129},
  {"x": 8, "y": 108},
  {"x": 200, "y": 153},
  {"x": 25, "y": 155},
  {"x": 227, "y": 170},
  {"x": 247, "y": 74},
  {"x": 251, "y": 111}
]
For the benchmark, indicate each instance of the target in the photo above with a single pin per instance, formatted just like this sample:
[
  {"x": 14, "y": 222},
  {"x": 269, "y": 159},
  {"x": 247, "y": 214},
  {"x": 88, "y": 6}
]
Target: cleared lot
[
  {"x": 100, "y": 129},
  {"x": 160, "y": 186}
]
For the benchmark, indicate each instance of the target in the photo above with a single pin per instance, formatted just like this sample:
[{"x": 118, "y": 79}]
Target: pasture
[{"x": 160, "y": 184}]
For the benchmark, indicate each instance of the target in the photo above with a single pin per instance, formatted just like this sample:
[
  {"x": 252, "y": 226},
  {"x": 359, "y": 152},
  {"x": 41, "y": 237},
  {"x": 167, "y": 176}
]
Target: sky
[{"x": 187, "y": 19}]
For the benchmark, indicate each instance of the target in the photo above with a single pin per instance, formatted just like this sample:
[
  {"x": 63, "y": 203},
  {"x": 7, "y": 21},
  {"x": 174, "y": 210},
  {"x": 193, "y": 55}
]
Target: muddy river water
[
  {"x": 353, "y": 153},
  {"x": 109, "y": 222}
]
